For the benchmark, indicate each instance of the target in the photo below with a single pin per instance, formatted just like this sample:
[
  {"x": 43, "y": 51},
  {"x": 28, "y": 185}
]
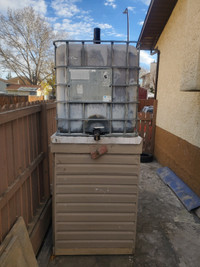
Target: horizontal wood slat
[
  {"x": 105, "y": 159},
  {"x": 94, "y": 198},
  {"x": 95, "y": 244},
  {"x": 11, "y": 115},
  {"x": 97, "y": 189},
  {"x": 96, "y": 179},
  {"x": 96, "y": 169},
  {"x": 87, "y": 149},
  {"x": 95, "y": 217},
  {"x": 95, "y": 235},
  {"x": 51, "y": 106},
  {"x": 94, "y": 251},
  {"x": 95, "y": 226},
  {"x": 95, "y": 207}
]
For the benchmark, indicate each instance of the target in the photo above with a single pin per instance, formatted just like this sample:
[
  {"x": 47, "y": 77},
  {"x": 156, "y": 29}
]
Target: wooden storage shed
[{"x": 95, "y": 200}]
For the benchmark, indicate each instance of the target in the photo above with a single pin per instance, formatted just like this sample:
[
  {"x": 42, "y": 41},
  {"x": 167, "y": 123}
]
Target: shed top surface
[{"x": 90, "y": 140}]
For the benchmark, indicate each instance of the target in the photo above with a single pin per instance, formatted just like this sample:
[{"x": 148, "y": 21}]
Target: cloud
[
  {"x": 83, "y": 29},
  {"x": 110, "y": 3},
  {"x": 76, "y": 30},
  {"x": 146, "y": 2},
  {"x": 104, "y": 26},
  {"x": 65, "y": 8},
  {"x": 131, "y": 8},
  {"x": 140, "y": 23},
  {"x": 79, "y": 23},
  {"x": 145, "y": 58},
  {"x": 38, "y": 5}
]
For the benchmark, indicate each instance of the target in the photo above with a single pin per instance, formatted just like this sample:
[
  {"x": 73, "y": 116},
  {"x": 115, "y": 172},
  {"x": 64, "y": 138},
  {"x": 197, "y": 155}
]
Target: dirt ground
[{"x": 167, "y": 234}]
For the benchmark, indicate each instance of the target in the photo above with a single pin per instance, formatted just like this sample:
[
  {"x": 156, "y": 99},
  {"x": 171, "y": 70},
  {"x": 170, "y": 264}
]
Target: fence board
[
  {"x": 3, "y": 166},
  {"x": 32, "y": 98},
  {"x": 145, "y": 102},
  {"x": 24, "y": 179},
  {"x": 146, "y": 129}
]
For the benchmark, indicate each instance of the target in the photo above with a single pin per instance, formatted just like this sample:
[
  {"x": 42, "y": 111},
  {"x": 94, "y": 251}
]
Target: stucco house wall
[{"x": 177, "y": 143}]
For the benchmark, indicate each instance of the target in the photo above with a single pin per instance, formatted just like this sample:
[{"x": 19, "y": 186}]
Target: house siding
[
  {"x": 180, "y": 156},
  {"x": 178, "y": 111},
  {"x": 177, "y": 141}
]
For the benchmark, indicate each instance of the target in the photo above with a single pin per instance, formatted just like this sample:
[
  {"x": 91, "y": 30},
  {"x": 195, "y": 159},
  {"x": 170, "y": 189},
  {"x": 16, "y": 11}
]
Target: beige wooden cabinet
[{"x": 95, "y": 200}]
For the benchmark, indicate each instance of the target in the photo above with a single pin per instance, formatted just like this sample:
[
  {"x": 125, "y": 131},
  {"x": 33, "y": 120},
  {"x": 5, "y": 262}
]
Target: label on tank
[{"x": 106, "y": 98}]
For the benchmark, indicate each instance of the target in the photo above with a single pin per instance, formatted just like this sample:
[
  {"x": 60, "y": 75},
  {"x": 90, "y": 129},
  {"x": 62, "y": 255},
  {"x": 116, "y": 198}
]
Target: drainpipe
[{"x": 156, "y": 51}]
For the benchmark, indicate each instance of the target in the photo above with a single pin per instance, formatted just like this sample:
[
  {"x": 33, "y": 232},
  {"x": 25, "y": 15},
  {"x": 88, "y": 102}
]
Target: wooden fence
[
  {"x": 32, "y": 98},
  {"x": 146, "y": 128},
  {"x": 25, "y": 168},
  {"x": 145, "y": 102},
  {"x": 12, "y": 99}
]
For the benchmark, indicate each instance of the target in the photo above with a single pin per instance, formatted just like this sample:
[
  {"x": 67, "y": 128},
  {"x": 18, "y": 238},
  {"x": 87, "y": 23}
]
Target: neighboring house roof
[
  {"x": 17, "y": 80},
  {"x": 19, "y": 87},
  {"x": 157, "y": 16}
]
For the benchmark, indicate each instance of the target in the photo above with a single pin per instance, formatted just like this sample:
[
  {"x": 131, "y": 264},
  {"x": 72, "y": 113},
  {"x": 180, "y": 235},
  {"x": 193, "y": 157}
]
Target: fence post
[{"x": 44, "y": 144}]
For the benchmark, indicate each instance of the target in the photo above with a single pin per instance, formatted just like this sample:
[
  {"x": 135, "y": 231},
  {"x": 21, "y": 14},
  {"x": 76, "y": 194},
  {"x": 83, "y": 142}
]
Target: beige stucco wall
[{"x": 179, "y": 43}]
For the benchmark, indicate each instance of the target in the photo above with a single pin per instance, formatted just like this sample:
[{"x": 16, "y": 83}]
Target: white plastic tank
[{"x": 97, "y": 87}]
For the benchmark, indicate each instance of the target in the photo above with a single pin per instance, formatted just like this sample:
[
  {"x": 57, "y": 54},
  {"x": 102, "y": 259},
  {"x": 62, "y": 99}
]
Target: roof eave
[{"x": 157, "y": 16}]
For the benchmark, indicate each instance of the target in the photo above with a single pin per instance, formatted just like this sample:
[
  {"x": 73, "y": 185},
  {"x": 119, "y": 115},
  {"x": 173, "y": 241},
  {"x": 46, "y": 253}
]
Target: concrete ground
[{"x": 167, "y": 234}]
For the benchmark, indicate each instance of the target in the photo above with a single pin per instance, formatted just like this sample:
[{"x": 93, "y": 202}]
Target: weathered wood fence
[
  {"x": 26, "y": 167},
  {"x": 146, "y": 128},
  {"x": 12, "y": 99},
  {"x": 145, "y": 102}
]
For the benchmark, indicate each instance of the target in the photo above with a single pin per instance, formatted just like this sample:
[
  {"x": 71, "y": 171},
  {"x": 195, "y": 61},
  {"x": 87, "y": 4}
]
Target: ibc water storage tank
[
  {"x": 95, "y": 188},
  {"x": 97, "y": 87}
]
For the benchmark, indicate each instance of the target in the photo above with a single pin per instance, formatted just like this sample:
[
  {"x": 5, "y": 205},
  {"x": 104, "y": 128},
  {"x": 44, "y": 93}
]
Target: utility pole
[{"x": 126, "y": 12}]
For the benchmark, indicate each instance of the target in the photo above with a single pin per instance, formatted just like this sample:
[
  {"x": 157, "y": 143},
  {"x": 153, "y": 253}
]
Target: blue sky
[{"x": 77, "y": 18}]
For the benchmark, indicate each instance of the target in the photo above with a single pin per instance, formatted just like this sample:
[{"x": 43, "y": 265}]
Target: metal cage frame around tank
[{"x": 108, "y": 104}]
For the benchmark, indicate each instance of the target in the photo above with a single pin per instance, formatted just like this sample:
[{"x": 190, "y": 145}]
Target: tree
[
  {"x": 153, "y": 67},
  {"x": 26, "y": 44},
  {"x": 9, "y": 76}
]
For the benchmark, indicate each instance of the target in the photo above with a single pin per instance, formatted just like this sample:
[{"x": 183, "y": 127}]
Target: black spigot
[{"x": 97, "y": 134}]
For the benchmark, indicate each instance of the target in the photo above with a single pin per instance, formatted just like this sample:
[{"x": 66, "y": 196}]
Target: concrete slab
[{"x": 167, "y": 234}]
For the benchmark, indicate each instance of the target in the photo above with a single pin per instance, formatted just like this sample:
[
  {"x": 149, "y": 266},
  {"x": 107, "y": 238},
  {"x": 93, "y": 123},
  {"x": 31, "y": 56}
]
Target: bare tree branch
[{"x": 26, "y": 44}]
